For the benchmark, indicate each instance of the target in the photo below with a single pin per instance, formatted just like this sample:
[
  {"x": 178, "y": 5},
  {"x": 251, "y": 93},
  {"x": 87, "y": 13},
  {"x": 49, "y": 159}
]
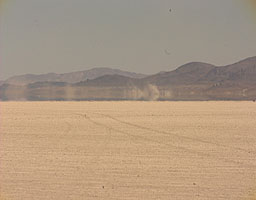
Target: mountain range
[
  {"x": 192, "y": 81},
  {"x": 71, "y": 77}
]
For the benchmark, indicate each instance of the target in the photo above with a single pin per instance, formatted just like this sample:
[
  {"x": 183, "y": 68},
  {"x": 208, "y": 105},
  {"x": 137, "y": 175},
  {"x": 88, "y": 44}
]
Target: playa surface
[{"x": 127, "y": 150}]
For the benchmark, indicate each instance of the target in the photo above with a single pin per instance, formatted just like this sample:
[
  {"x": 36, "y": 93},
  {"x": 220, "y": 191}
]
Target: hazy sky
[{"x": 40, "y": 36}]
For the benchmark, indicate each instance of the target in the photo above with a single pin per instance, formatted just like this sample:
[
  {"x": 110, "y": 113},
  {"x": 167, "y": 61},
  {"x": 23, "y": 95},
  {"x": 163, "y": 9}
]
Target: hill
[
  {"x": 71, "y": 77},
  {"x": 192, "y": 81}
]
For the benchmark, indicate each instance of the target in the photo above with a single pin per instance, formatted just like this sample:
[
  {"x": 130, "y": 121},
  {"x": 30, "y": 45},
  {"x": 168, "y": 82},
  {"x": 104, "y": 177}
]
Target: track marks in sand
[
  {"x": 177, "y": 136},
  {"x": 173, "y": 145}
]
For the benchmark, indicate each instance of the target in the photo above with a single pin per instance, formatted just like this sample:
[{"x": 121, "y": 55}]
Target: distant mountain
[
  {"x": 186, "y": 74},
  {"x": 72, "y": 77},
  {"x": 192, "y": 81},
  {"x": 243, "y": 71}
]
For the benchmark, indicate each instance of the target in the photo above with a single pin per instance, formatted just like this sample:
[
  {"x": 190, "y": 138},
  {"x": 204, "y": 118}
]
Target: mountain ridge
[
  {"x": 71, "y": 77},
  {"x": 192, "y": 81}
]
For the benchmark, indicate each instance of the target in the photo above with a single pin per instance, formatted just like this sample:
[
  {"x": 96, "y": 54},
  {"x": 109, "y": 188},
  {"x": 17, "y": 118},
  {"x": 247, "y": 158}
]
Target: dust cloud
[{"x": 149, "y": 92}]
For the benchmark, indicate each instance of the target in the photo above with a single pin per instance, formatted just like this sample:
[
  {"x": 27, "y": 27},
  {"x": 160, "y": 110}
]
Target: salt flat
[{"x": 128, "y": 150}]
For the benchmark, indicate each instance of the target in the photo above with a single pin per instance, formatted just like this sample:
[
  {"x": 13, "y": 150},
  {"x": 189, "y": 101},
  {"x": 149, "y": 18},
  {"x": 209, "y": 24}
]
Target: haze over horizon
[{"x": 141, "y": 36}]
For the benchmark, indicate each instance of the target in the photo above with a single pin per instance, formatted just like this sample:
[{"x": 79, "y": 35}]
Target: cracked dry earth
[{"x": 128, "y": 150}]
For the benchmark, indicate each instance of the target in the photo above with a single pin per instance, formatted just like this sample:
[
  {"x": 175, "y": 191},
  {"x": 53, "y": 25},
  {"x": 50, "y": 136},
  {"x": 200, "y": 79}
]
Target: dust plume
[
  {"x": 152, "y": 92},
  {"x": 148, "y": 92}
]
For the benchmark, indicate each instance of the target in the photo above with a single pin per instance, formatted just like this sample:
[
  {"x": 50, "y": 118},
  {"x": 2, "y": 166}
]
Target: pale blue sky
[{"x": 40, "y": 36}]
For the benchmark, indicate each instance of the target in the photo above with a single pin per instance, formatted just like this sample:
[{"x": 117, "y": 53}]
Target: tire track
[
  {"x": 176, "y": 135},
  {"x": 188, "y": 150},
  {"x": 104, "y": 143}
]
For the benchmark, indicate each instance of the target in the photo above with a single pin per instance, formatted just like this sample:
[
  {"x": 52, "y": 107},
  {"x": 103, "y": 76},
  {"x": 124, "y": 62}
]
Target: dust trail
[
  {"x": 152, "y": 92},
  {"x": 190, "y": 151},
  {"x": 69, "y": 93},
  {"x": 148, "y": 92}
]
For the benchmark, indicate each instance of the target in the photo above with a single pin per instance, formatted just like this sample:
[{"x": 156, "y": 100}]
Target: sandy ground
[{"x": 127, "y": 150}]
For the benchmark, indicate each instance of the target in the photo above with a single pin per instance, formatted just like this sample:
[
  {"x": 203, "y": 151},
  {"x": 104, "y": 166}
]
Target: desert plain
[{"x": 128, "y": 150}]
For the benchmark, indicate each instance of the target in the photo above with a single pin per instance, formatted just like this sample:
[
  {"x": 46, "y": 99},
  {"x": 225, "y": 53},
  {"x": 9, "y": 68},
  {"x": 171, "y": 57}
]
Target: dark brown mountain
[
  {"x": 72, "y": 77},
  {"x": 108, "y": 81},
  {"x": 193, "y": 81},
  {"x": 201, "y": 81},
  {"x": 243, "y": 71},
  {"x": 186, "y": 74}
]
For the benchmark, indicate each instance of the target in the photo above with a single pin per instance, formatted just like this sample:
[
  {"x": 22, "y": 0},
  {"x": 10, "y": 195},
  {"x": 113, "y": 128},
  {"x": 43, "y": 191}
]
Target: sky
[{"x": 42, "y": 36}]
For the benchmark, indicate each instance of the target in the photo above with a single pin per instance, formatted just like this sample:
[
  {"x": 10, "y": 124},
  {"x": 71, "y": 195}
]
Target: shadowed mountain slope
[
  {"x": 242, "y": 71},
  {"x": 185, "y": 74}
]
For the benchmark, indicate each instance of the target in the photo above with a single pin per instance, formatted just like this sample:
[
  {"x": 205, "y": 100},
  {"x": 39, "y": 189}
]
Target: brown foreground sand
[{"x": 127, "y": 150}]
